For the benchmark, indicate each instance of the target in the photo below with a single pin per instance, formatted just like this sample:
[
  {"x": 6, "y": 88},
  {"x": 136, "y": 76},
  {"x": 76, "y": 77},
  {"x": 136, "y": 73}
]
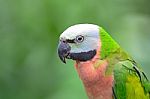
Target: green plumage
[{"x": 130, "y": 81}]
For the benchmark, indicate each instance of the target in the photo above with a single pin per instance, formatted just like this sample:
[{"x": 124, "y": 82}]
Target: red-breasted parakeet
[{"x": 106, "y": 70}]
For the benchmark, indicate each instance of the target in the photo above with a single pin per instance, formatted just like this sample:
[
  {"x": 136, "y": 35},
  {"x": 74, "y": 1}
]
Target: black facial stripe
[
  {"x": 83, "y": 56},
  {"x": 70, "y": 41}
]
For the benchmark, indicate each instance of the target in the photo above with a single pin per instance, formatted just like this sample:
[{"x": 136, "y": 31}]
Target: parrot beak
[{"x": 63, "y": 51}]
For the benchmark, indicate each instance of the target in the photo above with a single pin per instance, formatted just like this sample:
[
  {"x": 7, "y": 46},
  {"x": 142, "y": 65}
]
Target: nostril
[{"x": 64, "y": 41}]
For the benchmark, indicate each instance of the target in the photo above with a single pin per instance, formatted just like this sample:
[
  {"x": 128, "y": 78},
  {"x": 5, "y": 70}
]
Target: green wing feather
[{"x": 130, "y": 82}]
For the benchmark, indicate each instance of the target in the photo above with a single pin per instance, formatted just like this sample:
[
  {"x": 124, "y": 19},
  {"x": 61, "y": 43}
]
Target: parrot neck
[{"x": 96, "y": 83}]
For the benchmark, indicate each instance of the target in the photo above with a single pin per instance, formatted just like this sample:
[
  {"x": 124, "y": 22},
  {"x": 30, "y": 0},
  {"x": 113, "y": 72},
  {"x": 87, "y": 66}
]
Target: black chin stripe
[{"x": 83, "y": 56}]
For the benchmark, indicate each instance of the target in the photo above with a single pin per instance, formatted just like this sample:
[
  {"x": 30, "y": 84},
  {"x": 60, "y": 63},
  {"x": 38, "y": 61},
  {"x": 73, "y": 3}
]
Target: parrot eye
[{"x": 79, "y": 38}]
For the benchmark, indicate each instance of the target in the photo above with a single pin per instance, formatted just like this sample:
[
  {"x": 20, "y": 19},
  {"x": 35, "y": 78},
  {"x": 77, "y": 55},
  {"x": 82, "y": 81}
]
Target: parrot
[{"x": 105, "y": 69}]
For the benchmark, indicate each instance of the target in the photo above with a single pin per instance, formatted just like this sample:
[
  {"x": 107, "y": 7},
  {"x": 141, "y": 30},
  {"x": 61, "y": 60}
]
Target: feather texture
[{"x": 130, "y": 81}]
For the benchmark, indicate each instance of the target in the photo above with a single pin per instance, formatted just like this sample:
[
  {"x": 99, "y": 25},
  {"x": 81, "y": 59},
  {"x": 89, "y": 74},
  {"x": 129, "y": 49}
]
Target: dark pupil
[{"x": 80, "y": 38}]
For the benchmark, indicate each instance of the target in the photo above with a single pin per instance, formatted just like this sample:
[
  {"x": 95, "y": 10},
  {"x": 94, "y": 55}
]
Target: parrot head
[{"x": 79, "y": 42}]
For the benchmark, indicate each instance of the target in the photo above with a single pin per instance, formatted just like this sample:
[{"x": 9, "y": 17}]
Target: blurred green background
[{"x": 29, "y": 33}]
